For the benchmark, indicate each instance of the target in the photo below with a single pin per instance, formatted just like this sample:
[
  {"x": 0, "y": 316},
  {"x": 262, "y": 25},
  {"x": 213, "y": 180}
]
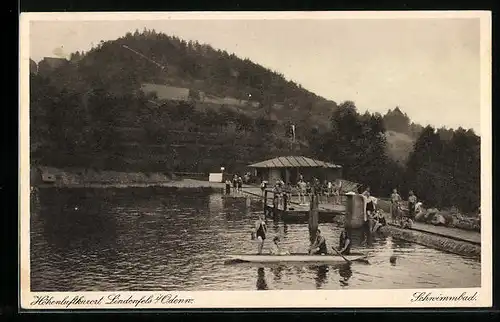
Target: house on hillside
[
  {"x": 49, "y": 64},
  {"x": 290, "y": 167},
  {"x": 33, "y": 67},
  {"x": 165, "y": 92}
]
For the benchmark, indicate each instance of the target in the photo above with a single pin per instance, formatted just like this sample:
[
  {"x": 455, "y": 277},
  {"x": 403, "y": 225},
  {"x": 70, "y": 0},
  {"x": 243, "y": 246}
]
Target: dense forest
[
  {"x": 443, "y": 169},
  {"x": 90, "y": 112}
]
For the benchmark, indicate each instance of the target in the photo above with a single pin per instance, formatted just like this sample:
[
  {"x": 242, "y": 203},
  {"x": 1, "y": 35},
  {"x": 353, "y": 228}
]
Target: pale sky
[{"x": 428, "y": 67}]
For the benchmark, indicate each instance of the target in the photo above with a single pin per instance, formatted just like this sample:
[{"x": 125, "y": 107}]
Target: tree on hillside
[
  {"x": 396, "y": 120},
  {"x": 463, "y": 162},
  {"x": 426, "y": 175},
  {"x": 445, "y": 134},
  {"x": 415, "y": 130},
  {"x": 446, "y": 173},
  {"x": 357, "y": 142}
]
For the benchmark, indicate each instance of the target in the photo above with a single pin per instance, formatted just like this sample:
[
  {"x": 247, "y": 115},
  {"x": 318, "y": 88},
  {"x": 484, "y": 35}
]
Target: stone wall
[{"x": 437, "y": 242}]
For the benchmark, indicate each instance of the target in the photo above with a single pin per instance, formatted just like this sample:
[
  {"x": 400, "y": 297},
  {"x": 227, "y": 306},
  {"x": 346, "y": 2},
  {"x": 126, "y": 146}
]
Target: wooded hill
[{"x": 91, "y": 112}]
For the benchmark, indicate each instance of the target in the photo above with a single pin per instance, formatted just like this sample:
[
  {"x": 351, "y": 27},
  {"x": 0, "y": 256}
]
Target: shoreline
[
  {"x": 73, "y": 178},
  {"x": 181, "y": 184}
]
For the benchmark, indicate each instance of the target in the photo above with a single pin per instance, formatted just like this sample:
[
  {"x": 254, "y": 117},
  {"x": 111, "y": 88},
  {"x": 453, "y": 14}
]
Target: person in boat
[
  {"x": 345, "y": 243},
  {"x": 319, "y": 245},
  {"x": 395, "y": 206},
  {"x": 260, "y": 232},
  {"x": 228, "y": 187},
  {"x": 412, "y": 201},
  {"x": 277, "y": 249}
]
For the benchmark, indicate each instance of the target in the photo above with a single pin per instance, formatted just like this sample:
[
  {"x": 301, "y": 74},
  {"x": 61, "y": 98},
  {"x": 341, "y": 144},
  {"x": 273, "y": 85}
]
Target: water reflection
[
  {"x": 278, "y": 273},
  {"x": 261, "y": 279},
  {"x": 321, "y": 275},
  {"x": 345, "y": 273},
  {"x": 276, "y": 227},
  {"x": 215, "y": 203}
]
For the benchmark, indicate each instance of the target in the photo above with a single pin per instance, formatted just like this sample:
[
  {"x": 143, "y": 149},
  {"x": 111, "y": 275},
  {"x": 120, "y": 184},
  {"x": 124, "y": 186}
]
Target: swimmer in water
[
  {"x": 277, "y": 249},
  {"x": 260, "y": 232}
]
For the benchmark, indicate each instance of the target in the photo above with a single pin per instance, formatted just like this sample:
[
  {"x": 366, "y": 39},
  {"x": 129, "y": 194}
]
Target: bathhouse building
[{"x": 289, "y": 168}]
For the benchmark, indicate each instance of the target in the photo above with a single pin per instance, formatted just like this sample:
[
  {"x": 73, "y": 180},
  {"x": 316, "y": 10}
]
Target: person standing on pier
[
  {"x": 263, "y": 186},
  {"x": 260, "y": 232},
  {"x": 412, "y": 202},
  {"x": 287, "y": 195},
  {"x": 302, "y": 191},
  {"x": 324, "y": 190},
  {"x": 336, "y": 192},
  {"x": 368, "y": 214},
  {"x": 235, "y": 183},
  {"x": 240, "y": 184},
  {"x": 395, "y": 205},
  {"x": 329, "y": 189},
  {"x": 228, "y": 187}
]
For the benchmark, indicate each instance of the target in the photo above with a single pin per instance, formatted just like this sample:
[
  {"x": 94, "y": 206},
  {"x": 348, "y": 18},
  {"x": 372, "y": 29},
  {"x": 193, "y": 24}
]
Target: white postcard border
[{"x": 259, "y": 299}]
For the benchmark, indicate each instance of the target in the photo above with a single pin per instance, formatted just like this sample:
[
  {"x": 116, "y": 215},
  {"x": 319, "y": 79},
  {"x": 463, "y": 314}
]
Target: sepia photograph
[{"x": 168, "y": 158}]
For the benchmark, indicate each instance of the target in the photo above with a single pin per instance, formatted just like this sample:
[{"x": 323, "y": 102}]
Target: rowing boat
[{"x": 295, "y": 258}]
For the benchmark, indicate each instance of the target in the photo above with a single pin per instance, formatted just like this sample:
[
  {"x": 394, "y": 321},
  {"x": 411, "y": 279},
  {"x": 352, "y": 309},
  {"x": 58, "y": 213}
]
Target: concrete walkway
[{"x": 461, "y": 234}]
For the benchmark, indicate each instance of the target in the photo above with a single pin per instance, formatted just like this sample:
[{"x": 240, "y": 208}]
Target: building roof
[
  {"x": 165, "y": 92},
  {"x": 54, "y": 61},
  {"x": 293, "y": 162}
]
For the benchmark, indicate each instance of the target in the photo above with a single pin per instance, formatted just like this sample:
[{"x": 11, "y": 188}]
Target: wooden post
[{"x": 313, "y": 215}]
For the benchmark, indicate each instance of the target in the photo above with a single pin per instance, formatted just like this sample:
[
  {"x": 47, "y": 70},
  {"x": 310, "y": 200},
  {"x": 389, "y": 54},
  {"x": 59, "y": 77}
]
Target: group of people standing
[
  {"x": 237, "y": 183},
  {"x": 304, "y": 190},
  {"x": 397, "y": 209}
]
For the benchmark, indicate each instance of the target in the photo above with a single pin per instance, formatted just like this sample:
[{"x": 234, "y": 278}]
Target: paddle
[
  {"x": 361, "y": 260},
  {"x": 341, "y": 255}
]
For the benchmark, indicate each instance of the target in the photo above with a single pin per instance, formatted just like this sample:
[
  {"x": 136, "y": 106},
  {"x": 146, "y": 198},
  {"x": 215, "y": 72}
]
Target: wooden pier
[{"x": 295, "y": 209}]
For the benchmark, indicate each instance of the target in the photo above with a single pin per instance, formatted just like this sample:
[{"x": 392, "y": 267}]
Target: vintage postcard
[{"x": 255, "y": 160}]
